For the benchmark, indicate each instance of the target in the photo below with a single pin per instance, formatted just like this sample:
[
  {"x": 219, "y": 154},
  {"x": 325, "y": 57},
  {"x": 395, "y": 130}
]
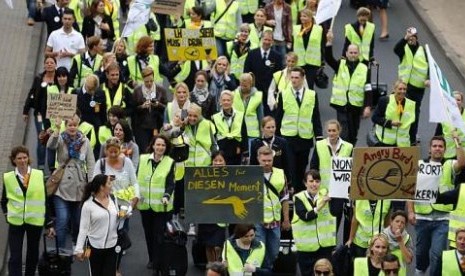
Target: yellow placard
[{"x": 190, "y": 44}]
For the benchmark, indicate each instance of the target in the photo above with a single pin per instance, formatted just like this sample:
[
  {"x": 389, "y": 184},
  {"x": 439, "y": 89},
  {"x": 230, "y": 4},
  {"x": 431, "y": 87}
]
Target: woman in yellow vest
[
  {"x": 226, "y": 19},
  {"x": 257, "y": 28},
  {"x": 119, "y": 49},
  {"x": 144, "y": 57},
  {"x": 400, "y": 242},
  {"x": 114, "y": 114},
  {"x": 243, "y": 254},
  {"x": 228, "y": 123},
  {"x": 197, "y": 19},
  {"x": 313, "y": 226},
  {"x": 238, "y": 50},
  {"x": 371, "y": 265},
  {"x": 325, "y": 150},
  {"x": 393, "y": 117},
  {"x": 24, "y": 206},
  {"x": 309, "y": 44},
  {"x": 156, "y": 180}
]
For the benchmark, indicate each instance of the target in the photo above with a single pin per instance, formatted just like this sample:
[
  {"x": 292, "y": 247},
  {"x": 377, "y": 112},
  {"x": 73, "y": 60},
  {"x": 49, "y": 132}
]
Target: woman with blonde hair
[
  {"x": 120, "y": 51},
  {"x": 323, "y": 267},
  {"x": 221, "y": 79},
  {"x": 378, "y": 247}
]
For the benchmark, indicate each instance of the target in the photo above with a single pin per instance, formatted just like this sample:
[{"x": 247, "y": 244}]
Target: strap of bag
[
  {"x": 224, "y": 12},
  {"x": 271, "y": 187},
  {"x": 102, "y": 165}
]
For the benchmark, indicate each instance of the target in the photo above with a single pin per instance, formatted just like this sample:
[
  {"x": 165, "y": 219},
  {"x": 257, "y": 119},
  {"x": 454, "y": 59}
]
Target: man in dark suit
[
  {"x": 263, "y": 62},
  {"x": 52, "y": 16}
]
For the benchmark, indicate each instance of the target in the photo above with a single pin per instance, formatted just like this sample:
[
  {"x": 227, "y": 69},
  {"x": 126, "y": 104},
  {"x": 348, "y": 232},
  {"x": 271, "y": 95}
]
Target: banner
[
  {"x": 327, "y": 9},
  {"x": 443, "y": 107},
  {"x": 339, "y": 182},
  {"x": 384, "y": 173},
  {"x": 138, "y": 15},
  {"x": 229, "y": 194},
  {"x": 190, "y": 44},
  {"x": 61, "y": 105},
  {"x": 171, "y": 7},
  {"x": 428, "y": 178}
]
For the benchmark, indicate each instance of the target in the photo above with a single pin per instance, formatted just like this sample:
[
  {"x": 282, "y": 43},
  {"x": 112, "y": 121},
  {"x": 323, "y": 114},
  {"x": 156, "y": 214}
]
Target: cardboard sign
[
  {"x": 428, "y": 178},
  {"x": 339, "y": 182},
  {"x": 61, "y": 105},
  {"x": 384, "y": 173},
  {"x": 190, "y": 44},
  {"x": 230, "y": 194},
  {"x": 171, "y": 7}
]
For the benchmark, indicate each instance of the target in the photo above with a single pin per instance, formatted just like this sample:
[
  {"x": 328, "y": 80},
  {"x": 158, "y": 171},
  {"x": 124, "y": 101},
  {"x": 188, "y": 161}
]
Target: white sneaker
[{"x": 191, "y": 231}]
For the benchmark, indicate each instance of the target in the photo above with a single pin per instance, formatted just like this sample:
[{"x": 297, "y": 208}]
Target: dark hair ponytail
[{"x": 93, "y": 186}]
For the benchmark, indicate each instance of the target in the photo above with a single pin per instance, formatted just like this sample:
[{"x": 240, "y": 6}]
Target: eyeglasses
[
  {"x": 319, "y": 273},
  {"x": 393, "y": 271}
]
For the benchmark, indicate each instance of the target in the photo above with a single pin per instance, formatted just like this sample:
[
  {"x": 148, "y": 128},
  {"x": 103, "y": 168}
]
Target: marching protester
[{"x": 371, "y": 265}]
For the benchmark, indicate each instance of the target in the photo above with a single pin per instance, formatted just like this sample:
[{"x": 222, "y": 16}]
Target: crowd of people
[{"x": 141, "y": 119}]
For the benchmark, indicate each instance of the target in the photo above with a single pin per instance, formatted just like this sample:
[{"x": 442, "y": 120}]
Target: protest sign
[
  {"x": 61, "y": 105},
  {"x": 428, "y": 178},
  {"x": 190, "y": 44},
  {"x": 171, "y": 7},
  {"x": 384, "y": 173},
  {"x": 229, "y": 194},
  {"x": 327, "y": 9},
  {"x": 339, "y": 182}
]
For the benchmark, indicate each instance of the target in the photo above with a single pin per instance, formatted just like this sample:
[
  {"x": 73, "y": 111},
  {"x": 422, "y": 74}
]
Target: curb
[{"x": 439, "y": 38}]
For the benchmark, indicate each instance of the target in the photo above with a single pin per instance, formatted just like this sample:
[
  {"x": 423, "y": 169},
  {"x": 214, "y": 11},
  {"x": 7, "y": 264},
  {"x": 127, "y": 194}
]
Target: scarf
[
  {"x": 200, "y": 94},
  {"x": 176, "y": 108},
  {"x": 147, "y": 93},
  {"x": 400, "y": 107},
  {"x": 74, "y": 145},
  {"x": 393, "y": 244}
]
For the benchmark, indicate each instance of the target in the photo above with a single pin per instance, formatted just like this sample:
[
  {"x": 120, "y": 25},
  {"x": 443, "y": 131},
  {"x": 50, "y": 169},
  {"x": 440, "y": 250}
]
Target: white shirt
[
  {"x": 265, "y": 52},
  {"x": 72, "y": 42},
  {"x": 98, "y": 224}
]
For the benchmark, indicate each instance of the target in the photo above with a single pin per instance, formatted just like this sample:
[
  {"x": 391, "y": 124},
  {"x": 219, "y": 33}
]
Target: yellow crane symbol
[{"x": 237, "y": 203}]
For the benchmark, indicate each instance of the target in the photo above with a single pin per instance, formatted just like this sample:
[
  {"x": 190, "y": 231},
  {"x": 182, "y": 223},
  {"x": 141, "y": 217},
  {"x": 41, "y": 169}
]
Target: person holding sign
[
  {"x": 431, "y": 221},
  {"x": 373, "y": 264},
  {"x": 313, "y": 226},
  {"x": 325, "y": 152},
  {"x": 275, "y": 198}
]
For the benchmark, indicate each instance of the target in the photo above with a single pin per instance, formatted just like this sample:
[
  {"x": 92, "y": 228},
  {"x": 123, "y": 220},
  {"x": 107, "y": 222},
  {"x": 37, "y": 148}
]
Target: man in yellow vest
[
  {"x": 431, "y": 221},
  {"x": 453, "y": 261},
  {"x": 349, "y": 97},
  {"x": 362, "y": 34},
  {"x": 86, "y": 63},
  {"x": 413, "y": 70},
  {"x": 298, "y": 121},
  {"x": 116, "y": 92},
  {"x": 275, "y": 197}
]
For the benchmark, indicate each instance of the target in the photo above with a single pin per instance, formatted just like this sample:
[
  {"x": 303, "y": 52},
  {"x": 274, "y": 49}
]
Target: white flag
[
  {"x": 9, "y": 3},
  {"x": 327, "y": 9},
  {"x": 442, "y": 105},
  {"x": 138, "y": 15}
]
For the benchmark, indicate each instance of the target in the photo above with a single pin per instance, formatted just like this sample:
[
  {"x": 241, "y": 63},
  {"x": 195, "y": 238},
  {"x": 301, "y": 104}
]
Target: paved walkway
[{"x": 19, "y": 48}]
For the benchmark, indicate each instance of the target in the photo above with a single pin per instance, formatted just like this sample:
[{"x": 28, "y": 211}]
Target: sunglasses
[
  {"x": 319, "y": 273},
  {"x": 394, "y": 271}
]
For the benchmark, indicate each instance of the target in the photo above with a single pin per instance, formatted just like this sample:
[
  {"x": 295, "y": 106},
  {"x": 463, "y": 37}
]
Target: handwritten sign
[
  {"x": 190, "y": 44},
  {"x": 61, "y": 105},
  {"x": 339, "y": 182},
  {"x": 384, "y": 173},
  {"x": 171, "y": 7},
  {"x": 428, "y": 178},
  {"x": 230, "y": 194}
]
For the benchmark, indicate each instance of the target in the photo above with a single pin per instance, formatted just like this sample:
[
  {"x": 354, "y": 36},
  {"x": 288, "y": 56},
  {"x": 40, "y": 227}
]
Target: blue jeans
[
  {"x": 221, "y": 46},
  {"x": 31, "y": 8},
  {"x": 271, "y": 239},
  {"x": 40, "y": 148},
  {"x": 431, "y": 241},
  {"x": 66, "y": 212}
]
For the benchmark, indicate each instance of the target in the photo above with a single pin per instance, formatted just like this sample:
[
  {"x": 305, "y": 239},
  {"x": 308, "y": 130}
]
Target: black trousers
[
  {"x": 143, "y": 137},
  {"x": 15, "y": 241},
  {"x": 103, "y": 261},
  {"x": 349, "y": 118},
  {"x": 178, "y": 201},
  {"x": 310, "y": 74},
  {"x": 299, "y": 150},
  {"x": 154, "y": 224},
  {"x": 415, "y": 94}
]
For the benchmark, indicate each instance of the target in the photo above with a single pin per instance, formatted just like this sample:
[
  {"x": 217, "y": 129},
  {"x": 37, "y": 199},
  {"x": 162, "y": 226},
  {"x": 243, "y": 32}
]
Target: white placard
[
  {"x": 339, "y": 181},
  {"x": 327, "y": 9},
  {"x": 428, "y": 178}
]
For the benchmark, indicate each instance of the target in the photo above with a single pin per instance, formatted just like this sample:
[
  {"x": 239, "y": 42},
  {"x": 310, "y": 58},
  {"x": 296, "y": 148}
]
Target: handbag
[
  {"x": 54, "y": 180},
  {"x": 321, "y": 79},
  {"x": 180, "y": 152},
  {"x": 372, "y": 139},
  {"x": 123, "y": 239}
]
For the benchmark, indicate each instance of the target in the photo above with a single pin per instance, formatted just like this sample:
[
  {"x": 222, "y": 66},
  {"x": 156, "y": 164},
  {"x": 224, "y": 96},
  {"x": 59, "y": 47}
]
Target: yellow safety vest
[
  {"x": 297, "y": 121},
  {"x": 296, "y": 7},
  {"x": 103, "y": 134},
  {"x": 254, "y": 36},
  {"x": 457, "y": 216},
  {"x": 235, "y": 264},
  {"x": 204, "y": 24},
  {"x": 152, "y": 183},
  {"x": 311, "y": 55},
  {"x": 398, "y": 253},
  {"x": 117, "y": 100},
  {"x": 414, "y": 68},
  {"x": 325, "y": 158},
  {"x": 363, "y": 42},
  {"x": 450, "y": 264},
  {"x": 446, "y": 184},
  {"x": 179, "y": 167},
  {"x": 83, "y": 70},
  {"x": 271, "y": 202},
  {"x": 226, "y": 27},
  {"x": 87, "y": 128},
  {"x": 133, "y": 38},
  {"x": 136, "y": 74},
  {"x": 225, "y": 131},
  {"x": 237, "y": 63},
  {"x": 361, "y": 267},
  {"x": 309, "y": 236},
  {"x": 200, "y": 144},
  {"x": 250, "y": 111},
  {"x": 248, "y": 6},
  {"x": 53, "y": 89},
  {"x": 29, "y": 209},
  {"x": 368, "y": 223},
  {"x": 186, "y": 69},
  {"x": 347, "y": 88},
  {"x": 75, "y": 5},
  {"x": 447, "y": 130},
  {"x": 400, "y": 135}
]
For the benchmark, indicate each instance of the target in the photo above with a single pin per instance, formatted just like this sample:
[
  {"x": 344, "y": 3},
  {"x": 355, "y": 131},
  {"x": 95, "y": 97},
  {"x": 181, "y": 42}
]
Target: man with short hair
[
  {"x": 453, "y": 261},
  {"x": 116, "y": 92},
  {"x": 65, "y": 42},
  {"x": 391, "y": 265},
  {"x": 52, "y": 15},
  {"x": 216, "y": 269},
  {"x": 86, "y": 63}
]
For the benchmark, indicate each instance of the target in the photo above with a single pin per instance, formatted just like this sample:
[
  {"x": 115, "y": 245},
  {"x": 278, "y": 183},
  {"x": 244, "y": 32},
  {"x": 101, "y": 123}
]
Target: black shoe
[
  {"x": 149, "y": 265},
  {"x": 384, "y": 38}
]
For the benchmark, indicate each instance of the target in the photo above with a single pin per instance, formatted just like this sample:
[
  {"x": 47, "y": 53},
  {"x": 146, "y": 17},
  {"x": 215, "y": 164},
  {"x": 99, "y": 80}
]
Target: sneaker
[{"x": 191, "y": 231}]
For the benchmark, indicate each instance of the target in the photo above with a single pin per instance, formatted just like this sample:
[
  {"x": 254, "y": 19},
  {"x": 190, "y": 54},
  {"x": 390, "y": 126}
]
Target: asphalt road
[{"x": 401, "y": 16}]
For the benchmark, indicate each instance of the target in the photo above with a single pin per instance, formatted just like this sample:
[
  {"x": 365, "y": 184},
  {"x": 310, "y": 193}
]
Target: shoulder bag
[{"x": 54, "y": 180}]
